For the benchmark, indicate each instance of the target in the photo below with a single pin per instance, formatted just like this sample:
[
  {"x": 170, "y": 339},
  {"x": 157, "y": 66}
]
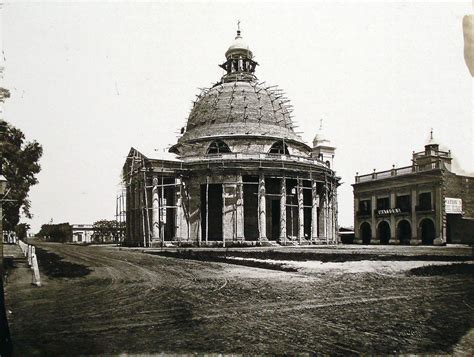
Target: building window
[
  {"x": 425, "y": 201},
  {"x": 383, "y": 203},
  {"x": 279, "y": 148},
  {"x": 365, "y": 207},
  {"x": 404, "y": 203},
  {"x": 218, "y": 147}
]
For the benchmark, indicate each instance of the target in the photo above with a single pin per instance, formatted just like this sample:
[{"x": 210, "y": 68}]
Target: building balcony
[
  {"x": 364, "y": 213},
  {"x": 400, "y": 171},
  {"x": 436, "y": 153},
  {"x": 421, "y": 209}
]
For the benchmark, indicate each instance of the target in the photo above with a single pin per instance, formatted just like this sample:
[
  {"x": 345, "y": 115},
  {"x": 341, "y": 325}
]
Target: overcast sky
[{"x": 90, "y": 80}]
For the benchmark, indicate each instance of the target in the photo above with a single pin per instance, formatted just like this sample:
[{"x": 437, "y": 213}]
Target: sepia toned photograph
[{"x": 230, "y": 178}]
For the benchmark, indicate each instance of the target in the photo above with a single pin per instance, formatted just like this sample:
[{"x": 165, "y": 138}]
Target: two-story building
[{"x": 424, "y": 203}]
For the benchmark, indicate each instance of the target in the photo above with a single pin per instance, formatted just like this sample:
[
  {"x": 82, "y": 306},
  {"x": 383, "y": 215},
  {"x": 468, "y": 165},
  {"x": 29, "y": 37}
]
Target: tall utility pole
[{"x": 5, "y": 340}]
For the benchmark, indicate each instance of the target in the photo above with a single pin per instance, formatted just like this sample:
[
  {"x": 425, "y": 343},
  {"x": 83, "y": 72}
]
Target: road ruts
[{"x": 138, "y": 303}]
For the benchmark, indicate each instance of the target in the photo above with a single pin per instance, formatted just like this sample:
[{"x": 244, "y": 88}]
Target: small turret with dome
[
  {"x": 432, "y": 154},
  {"x": 239, "y": 64},
  {"x": 322, "y": 148}
]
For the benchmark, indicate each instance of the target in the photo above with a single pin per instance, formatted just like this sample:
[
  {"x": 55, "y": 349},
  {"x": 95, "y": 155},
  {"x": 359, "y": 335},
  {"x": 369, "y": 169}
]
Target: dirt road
[{"x": 101, "y": 300}]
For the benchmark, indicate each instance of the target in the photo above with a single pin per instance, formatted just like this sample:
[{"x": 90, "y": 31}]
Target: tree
[
  {"x": 19, "y": 164},
  {"x": 61, "y": 232},
  {"x": 106, "y": 231},
  {"x": 21, "y": 230}
]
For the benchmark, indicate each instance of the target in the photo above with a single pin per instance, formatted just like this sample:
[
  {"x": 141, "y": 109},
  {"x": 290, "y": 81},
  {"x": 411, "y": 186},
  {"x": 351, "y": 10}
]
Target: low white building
[{"x": 82, "y": 233}]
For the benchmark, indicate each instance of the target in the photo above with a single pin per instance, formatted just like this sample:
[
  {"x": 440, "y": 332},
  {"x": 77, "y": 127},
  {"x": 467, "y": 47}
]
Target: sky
[{"x": 89, "y": 80}]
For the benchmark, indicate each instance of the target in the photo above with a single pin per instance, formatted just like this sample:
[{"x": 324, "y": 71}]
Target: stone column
[
  {"x": 330, "y": 221},
  {"x": 283, "y": 210},
  {"x": 262, "y": 214},
  {"x": 373, "y": 221},
  {"x": 300, "y": 211},
  {"x": 239, "y": 208},
  {"x": 314, "y": 212},
  {"x": 155, "y": 217},
  {"x": 194, "y": 211},
  {"x": 393, "y": 221},
  {"x": 323, "y": 219},
  {"x": 356, "y": 220},
  {"x": 182, "y": 229},
  {"x": 414, "y": 224},
  {"x": 439, "y": 216}
]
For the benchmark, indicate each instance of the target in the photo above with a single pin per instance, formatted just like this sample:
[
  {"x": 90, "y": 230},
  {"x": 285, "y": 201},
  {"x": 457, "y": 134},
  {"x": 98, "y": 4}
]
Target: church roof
[
  {"x": 240, "y": 108},
  {"x": 239, "y": 104}
]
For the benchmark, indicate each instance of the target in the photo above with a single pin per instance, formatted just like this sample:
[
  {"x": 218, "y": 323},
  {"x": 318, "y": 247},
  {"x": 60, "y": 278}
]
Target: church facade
[{"x": 240, "y": 176}]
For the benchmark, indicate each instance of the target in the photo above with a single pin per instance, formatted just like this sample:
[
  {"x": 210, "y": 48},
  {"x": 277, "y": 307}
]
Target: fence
[{"x": 30, "y": 254}]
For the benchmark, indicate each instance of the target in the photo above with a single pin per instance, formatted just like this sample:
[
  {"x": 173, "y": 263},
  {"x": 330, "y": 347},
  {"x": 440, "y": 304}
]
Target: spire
[
  {"x": 238, "y": 30},
  {"x": 320, "y": 137},
  {"x": 431, "y": 140},
  {"x": 239, "y": 65}
]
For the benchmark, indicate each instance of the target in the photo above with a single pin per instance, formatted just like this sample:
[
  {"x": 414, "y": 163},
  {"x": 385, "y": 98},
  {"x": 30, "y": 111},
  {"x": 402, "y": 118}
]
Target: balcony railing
[
  {"x": 254, "y": 157},
  {"x": 445, "y": 154},
  {"x": 363, "y": 213},
  {"x": 424, "y": 208},
  {"x": 398, "y": 172}
]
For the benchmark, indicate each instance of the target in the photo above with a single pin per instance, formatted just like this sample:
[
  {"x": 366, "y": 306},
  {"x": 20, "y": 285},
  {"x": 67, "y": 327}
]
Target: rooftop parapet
[{"x": 400, "y": 171}]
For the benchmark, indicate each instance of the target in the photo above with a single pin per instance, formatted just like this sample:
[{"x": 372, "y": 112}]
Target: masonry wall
[{"x": 461, "y": 187}]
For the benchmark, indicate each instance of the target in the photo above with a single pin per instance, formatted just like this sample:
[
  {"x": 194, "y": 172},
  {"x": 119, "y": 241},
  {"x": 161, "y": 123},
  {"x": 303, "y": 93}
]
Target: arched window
[
  {"x": 279, "y": 148},
  {"x": 218, "y": 147},
  {"x": 328, "y": 164}
]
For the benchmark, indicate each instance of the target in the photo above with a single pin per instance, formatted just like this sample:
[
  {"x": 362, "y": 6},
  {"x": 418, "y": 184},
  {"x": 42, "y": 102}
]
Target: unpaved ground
[{"x": 126, "y": 301}]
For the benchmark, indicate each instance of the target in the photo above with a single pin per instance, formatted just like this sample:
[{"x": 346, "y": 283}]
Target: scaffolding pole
[{"x": 146, "y": 209}]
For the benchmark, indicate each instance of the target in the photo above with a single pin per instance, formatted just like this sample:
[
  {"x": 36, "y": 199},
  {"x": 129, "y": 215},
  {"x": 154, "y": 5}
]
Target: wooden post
[
  {"x": 314, "y": 211},
  {"x": 147, "y": 213},
  {"x": 155, "y": 209},
  {"x": 162, "y": 213},
  {"x": 223, "y": 214},
  {"x": 283, "y": 210},
  {"x": 262, "y": 215},
  {"x": 207, "y": 208},
  {"x": 239, "y": 209},
  {"x": 300, "y": 211}
]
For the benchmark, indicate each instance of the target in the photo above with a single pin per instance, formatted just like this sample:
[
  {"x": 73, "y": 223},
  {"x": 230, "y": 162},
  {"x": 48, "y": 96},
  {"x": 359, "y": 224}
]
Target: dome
[
  {"x": 431, "y": 140},
  {"x": 240, "y": 108},
  {"x": 321, "y": 136},
  {"x": 239, "y": 105},
  {"x": 237, "y": 47}
]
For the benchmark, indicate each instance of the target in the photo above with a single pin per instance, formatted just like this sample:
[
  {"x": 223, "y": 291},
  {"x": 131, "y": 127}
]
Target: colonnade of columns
[
  {"x": 322, "y": 227},
  {"x": 187, "y": 224}
]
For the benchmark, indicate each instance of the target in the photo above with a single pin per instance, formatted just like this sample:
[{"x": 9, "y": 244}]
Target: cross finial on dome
[
  {"x": 431, "y": 134},
  {"x": 321, "y": 124},
  {"x": 238, "y": 29}
]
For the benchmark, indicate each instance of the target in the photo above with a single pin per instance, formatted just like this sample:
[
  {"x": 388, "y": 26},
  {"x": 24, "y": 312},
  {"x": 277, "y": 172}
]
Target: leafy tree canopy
[
  {"x": 19, "y": 164},
  {"x": 106, "y": 231},
  {"x": 61, "y": 233},
  {"x": 21, "y": 230}
]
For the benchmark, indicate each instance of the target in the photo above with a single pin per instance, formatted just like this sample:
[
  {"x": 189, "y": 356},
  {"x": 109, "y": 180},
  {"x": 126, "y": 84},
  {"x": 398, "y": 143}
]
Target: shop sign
[
  {"x": 388, "y": 211},
  {"x": 453, "y": 205}
]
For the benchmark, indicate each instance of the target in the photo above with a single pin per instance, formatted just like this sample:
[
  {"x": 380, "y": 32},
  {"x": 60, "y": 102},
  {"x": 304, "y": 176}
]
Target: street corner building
[
  {"x": 425, "y": 203},
  {"x": 240, "y": 174}
]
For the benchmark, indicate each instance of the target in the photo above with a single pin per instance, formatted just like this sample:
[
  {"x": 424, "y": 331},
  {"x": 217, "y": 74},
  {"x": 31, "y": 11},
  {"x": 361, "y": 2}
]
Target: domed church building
[{"x": 240, "y": 174}]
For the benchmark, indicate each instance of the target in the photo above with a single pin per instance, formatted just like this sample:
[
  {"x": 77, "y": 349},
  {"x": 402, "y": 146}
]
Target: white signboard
[{"x": 453, "y": 205}]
